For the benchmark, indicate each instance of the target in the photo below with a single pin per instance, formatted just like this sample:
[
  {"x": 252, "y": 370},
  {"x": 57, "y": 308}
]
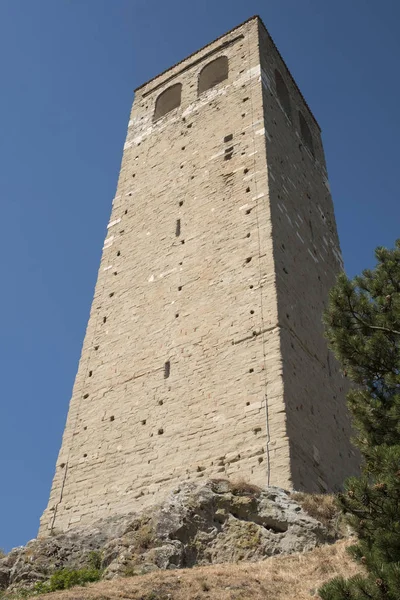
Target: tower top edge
[{"x": 193, "y": 54}]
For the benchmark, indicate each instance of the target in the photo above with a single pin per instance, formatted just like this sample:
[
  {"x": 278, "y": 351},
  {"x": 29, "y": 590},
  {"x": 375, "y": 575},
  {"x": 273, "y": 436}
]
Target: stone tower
[{"x": 204, "y": 354}]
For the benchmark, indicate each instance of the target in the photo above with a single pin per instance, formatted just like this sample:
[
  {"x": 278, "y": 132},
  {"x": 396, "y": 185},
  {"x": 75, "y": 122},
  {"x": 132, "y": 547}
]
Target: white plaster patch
[
  {"x": 299, "y": 236},
  {"x": 253, "y": 124},
  {"x": 259, "y": 196},
  {"x": 108, "y": 242},
  {"x": 260, "y": 131},
  {"x": 151, "y": 279},
  {"x": 315, "y": 259},
  {"x": 108, "y": 268},
  {"x": 248, "y": 177},
  {"x": 265, "y": 79},
  {"x": 248, "y": 75},
  {"x": 217, "y": 155},
  {"x": 243, "y": 207},
  {"x": 253, "y": 153},
  {"x": 113, "y": 223},
  {"x": 161, "y": 275}
]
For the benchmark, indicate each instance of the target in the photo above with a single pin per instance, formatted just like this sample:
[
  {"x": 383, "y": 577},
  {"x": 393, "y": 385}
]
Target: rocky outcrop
[{"x": 197, "y": 524}]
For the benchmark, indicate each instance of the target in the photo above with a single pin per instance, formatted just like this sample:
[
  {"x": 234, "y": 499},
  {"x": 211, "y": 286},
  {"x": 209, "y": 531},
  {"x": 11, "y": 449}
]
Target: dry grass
[
  {"x": 320, "y": 506},
  {"x": 295, "y": 577},
  {"x": 238, "y": 487}
]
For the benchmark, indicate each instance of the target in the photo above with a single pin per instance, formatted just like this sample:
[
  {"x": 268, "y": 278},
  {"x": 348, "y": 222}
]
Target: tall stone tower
[{"x": 204, "y": 354}]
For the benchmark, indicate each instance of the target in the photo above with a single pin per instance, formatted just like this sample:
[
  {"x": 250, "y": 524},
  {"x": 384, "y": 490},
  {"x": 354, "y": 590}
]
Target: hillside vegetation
[{"x": 294, "y": 577}]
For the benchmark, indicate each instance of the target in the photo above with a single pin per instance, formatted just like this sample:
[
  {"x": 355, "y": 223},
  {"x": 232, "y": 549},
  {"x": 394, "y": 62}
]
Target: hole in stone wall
[
  {"x": 176, "y": 315},
  {"x": 248, "y": 211},
  {"x": 111, "y": 294},
  {"x": 182, "y": 241},
  {"x": 160, "y": 402},
  {"x": 252, "y": 312},
  {"x": 245, "y": 99},
  {"x": 183, "y": 147},
  {"x": 251, "y": 370},
  {"x": 85, "y": 455},
  {"x": 126, "y": 212},
  {"x": 229, "y": 150},
  {"x": 160, "y": 431},
  {"x": 119, "y": 253},
  {"x": 178, "y": 228},
  {"x": 248, "y": 259},
  {"x": 180, "y": 288},
  {"x": 190, "y": 125},
  {"x": 257, "y": 430},
  {"x": 86, "y": 396},
  {"x": 112, "y": 418},
  {"x": 248, "y": 235},
  {"x": 228, "y": 156},
  {"x": 104, "y": 319},
  {"x": 84, "y": 429},
  {"x": 144, "y": 422},
  {"x": 247, "y": 403},
  {"x": 90, "y": 373},
  {"x": 228, "y": 138},
  {"x": 181, "y": 203},
  {"x": 96, "y": 347},
  {"x": 246, "y": 171},
  {"x": 167, "y": 369},
  {"x": 251, "y": 286},
  {"x": 115, "y": 273}
]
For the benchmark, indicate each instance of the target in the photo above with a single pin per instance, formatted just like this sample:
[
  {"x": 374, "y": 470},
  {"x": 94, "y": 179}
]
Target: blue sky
[{"x": 69, "y": 68}]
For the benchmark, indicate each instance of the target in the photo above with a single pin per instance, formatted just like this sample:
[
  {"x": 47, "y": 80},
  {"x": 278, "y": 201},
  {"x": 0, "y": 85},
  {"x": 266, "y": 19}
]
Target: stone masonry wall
[
  {"x": 204, "y": 353},
  {"x": 307, "y": 259},
  {"x": 203, "y": 301}
]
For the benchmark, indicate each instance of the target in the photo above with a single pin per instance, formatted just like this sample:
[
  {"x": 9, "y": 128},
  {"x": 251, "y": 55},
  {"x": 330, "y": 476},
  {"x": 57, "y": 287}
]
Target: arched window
[
  {"x": 283, "y": 94},
  {"x": 306, "y": 134},
  {"x": 168, "y": 100},
  {"x": 213, "y": 73}
]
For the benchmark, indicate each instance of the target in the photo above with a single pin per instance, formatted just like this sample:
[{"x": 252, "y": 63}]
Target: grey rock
[{"x": 196, "y": 524}]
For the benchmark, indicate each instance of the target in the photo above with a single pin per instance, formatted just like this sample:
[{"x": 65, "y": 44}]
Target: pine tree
[{"x": 363, "y": 329}]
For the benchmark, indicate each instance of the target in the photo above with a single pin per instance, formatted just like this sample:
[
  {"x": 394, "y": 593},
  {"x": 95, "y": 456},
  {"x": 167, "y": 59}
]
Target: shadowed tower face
[{"x": 204, "y": 354}]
